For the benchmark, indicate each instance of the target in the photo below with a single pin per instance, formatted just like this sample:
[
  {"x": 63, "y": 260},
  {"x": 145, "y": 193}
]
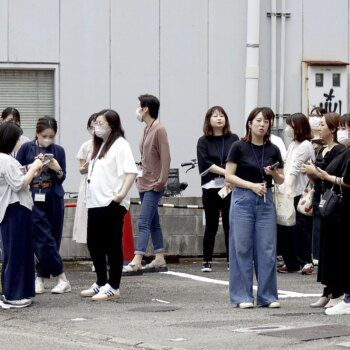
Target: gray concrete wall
[{"x": 182, "y": 229}]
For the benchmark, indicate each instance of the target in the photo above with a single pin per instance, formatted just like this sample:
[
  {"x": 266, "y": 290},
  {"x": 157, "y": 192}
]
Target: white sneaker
[
  {"x": 62, "y": 287},
  {"x": 15, "y": 304},
  {"x": 39, "y": 285},
  {"x": 341, "y": 308},
  {"x": 274, "y": 305},
  {"x": 332, "y": 302},
  {"x": 245, "y": 305},
  {"x": 106, "y": 293},
  {"x": 93, "y": 290}
]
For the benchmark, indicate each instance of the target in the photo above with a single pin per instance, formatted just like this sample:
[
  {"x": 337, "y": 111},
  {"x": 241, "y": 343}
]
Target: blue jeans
[
  {"x": 252, "y": 244},
  {"x": 149, "y": 223}
]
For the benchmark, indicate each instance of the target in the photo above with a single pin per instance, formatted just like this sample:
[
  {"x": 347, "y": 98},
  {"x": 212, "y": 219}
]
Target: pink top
[{"x": 155, "y": 158}]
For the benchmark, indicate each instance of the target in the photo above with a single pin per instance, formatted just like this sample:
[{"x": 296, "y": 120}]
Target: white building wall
[{"x": 190, "y": 53}]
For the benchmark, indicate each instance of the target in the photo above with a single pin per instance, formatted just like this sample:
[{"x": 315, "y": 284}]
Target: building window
[
  {"x": 31, "y": 92},
  {"x": 336, "y": 79},
  {"x": 319, "y": 79}
]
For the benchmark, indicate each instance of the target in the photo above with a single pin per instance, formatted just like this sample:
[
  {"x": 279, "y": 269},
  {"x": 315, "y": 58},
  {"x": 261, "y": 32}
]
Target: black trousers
[
  {"x": 104, "y": 241},
  {"x": 213, "y": 204},
  {"x": 295, "y": 241}
]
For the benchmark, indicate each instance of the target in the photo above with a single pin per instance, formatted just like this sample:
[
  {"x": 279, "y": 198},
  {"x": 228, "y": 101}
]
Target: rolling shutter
[{"x": 31, "y": 92}]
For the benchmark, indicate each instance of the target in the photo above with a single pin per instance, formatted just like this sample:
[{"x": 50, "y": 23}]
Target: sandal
[
  {"x": 155, "y": 266},
  {"x": 132, "y": 270}
]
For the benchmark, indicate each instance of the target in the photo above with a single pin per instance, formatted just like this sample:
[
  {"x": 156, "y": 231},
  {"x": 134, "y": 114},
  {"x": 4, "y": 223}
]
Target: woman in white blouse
[
  {"x": 295, "y": 241},
  {"x": 18, "y": 276},
  {"x": 111, "y": 173},
  {"x": 84, "y": 155}
]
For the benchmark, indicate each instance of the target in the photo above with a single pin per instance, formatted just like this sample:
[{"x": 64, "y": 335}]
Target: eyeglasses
[{"x": 102, "y": 123}]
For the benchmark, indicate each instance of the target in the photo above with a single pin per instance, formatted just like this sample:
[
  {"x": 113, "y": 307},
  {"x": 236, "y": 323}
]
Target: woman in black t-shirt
[
  {"x": 330, "y": 269},
  {"x": 212, "y": 150},
  {"x": 252, "y": 212}
]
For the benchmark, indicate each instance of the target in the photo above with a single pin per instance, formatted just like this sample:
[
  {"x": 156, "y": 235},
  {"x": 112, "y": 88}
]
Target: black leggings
[
  {"x": 213, "y": 205},
  {"x": 104, "y": 240}
]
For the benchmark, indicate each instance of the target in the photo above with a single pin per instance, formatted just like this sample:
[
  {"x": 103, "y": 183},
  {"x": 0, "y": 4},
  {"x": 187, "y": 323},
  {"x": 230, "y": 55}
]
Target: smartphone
[
  {"x": 47, "y": 158},
  {"x": 224, "y": 192},
  {"x": 274, "y": 165}
]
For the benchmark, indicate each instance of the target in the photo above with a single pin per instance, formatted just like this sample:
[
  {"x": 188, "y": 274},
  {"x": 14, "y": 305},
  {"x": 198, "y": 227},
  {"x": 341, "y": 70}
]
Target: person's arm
[
  {"x": 83, "y": 168},
  {"x": 233, "y": 179},
  {"x": 205, "y": 165},
  {"x": 59, "y": 165},
  {"x": 128, "y": 182},
  {"x": 332, "y": 178},
  {"x": 164, "y": 153},
  {"x": 277, "y": 174},
  {"x": 31, "y": 173},
  {"x": 125, "y": 165}
]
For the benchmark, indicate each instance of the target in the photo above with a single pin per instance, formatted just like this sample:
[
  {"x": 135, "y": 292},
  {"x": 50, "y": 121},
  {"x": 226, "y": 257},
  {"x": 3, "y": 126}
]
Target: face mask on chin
[
  {"x": 45, "y": 142},
  {"x": 101, "y": 132},
  {"x": 343, "y": 137}
]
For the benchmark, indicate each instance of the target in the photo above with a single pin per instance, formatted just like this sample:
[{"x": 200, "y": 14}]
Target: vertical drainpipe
[
  {"x": 273, "y": 103},
  {"x": 283, "y": 59},
  {"x": 252, "y": 59}
]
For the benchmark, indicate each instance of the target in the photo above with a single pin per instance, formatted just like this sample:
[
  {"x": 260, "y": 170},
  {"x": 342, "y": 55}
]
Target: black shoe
[{"x": 206, "y": 267}]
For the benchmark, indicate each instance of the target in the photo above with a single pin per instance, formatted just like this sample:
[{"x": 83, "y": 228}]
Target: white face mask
[
  {"x": 101, "y": 131},
  {"x": 139, "y": 114},
  {"x": 45, "y": 142},
  {"x": 315, "y": 122},
  {"x": 289, "y": 132},
  {"x": 343, "y": 137}
]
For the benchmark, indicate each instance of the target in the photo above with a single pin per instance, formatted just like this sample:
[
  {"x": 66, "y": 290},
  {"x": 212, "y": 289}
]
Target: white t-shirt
[
  {"x": 11, "y": 181},
  {"x": 106, "y": 175},
  {"x": 276, "y": 140}
]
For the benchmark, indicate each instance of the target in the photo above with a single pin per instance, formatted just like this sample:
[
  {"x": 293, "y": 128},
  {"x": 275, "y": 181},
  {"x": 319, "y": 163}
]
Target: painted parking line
[{"x": 282, "y": 294}]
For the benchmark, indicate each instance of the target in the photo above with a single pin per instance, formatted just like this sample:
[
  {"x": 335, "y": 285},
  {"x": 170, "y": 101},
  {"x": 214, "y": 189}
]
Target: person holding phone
[
  {"x": 331, "y": 264},
  {"x": 252, "y": 213},
  {"x": 212, "y": 150},
  {"x": 84, "y": 157},
  {"x": 48, "y": 209},
  {"x": 295, "y": 241},
  {"x": 16, "y": 203}
]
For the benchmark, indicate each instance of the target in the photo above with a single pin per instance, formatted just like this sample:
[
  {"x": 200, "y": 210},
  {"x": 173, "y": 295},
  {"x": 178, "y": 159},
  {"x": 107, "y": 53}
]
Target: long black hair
[
  {"x": 9, "y": 136},
  {"x": 113, "y": 120}
]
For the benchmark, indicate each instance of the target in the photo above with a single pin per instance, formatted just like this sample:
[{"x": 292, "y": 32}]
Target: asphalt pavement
[{"x": 181, "y": 309}]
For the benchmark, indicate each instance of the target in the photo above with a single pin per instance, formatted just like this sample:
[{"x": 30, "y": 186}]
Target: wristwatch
[{"x": 59, "y": 172}]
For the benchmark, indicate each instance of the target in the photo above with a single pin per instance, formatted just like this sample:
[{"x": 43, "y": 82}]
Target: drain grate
[
  {"x": 311, "y": 333},
  {"x": 155, "y": 309}
]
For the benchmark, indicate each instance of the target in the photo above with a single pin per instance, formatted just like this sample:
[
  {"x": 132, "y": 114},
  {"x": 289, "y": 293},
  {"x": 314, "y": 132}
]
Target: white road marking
[
  {"x": 282, "y": 294},
  {"x": 161, "y": 301}
]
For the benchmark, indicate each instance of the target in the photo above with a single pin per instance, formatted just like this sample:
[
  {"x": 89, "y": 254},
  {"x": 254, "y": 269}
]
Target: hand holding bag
[
  {"x": 285, "y": 210},
  {"x": 331, "y": 202},
  {"x": 305, "y": 202}
]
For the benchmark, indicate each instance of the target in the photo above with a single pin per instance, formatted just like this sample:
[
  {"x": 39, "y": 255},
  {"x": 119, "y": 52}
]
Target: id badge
[
  {"x": 219, "y": 181},
  {"x": 39, "y": 197},
  {"x": 322, "y": 202},
  {"x": 139, "y": 171}
]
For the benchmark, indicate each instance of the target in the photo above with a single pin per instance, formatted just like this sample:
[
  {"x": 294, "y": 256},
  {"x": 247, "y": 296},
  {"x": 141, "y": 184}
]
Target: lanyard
[
  {"x": 260, "y": 165},
  {"x": 93, "y": 162},
  {"x": 222, "y": 150},
  {"x": 145, "y": 136}
]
